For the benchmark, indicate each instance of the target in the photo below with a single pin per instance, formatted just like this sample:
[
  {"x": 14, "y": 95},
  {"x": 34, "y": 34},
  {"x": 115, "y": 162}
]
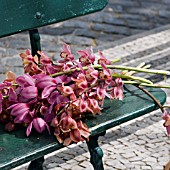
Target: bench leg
[
  {"x": 36, "y": 164},
  {"x": 96, "y": 152}
]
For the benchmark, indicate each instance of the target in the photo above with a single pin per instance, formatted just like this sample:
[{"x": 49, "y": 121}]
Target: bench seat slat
[
  {"x": 17, "y": 145},
  {"x": 21, "y": 15}
]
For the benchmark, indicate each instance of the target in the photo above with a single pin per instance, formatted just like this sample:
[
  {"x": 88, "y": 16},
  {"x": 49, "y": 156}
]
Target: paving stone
[
  {"x": 135, "y": 159},
  {"x": 67, "y": 165},
  {"x": 87, "y": 155},
  {"x": 72, "y": 161},
  {"x": 77, "y": 40},
  {"x": 137, "y": 167},
  {"x": 86, "y": 164},
  {"x": 119, "y": 165},
  {"x": 80, "y": 158},
  {"x": 145, "y": 167},
  {"x": 118, "y": 146},
  {"x": 51, "y": 165},
  {"x": 129, "y": 155},
  {"x": 140, "y": 142},
  {"x": 56, "y": 168},
  {"x": 77, "y": 167}
]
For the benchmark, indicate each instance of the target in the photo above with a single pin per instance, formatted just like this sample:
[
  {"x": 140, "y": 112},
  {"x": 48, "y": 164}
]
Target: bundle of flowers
[{"x": 59, "y": 94}]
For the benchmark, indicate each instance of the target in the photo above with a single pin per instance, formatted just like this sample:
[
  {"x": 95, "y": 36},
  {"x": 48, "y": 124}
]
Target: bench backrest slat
[{"x": 21, "y": 15}]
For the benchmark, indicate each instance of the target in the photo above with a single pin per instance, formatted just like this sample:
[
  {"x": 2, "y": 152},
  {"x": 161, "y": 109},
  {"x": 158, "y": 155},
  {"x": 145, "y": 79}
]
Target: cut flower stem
[
  {"x": 145, "y": 84},
  {"x": 115, "y": 75},
  {"x": 152, "y": 97},
  {"x": 118, "y": 67}
]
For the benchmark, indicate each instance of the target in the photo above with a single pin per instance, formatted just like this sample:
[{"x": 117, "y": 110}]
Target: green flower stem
[
  {"x": 152, "y": 97},
  {"x": 15, "y": 85},
  {"x": 116, "y": 60},
  {"x": 144, "y": 70},
  {"x": 115, "y": 75},
  {"x": 166, "y": 106},
  {"x": 133, "y": 72},
  {"x": 136, "y": 69},
  {"x": 145, "y": 84}
]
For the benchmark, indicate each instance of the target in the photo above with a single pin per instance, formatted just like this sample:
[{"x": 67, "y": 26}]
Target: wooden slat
[{"x": 21, "y": 15}]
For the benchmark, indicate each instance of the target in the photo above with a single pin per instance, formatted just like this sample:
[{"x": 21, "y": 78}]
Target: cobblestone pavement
[{"x": 140, "y": 144}]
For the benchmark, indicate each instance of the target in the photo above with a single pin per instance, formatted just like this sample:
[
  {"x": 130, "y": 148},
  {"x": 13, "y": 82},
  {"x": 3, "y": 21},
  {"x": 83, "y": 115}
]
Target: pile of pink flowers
[{"x": 57, "y": 94}]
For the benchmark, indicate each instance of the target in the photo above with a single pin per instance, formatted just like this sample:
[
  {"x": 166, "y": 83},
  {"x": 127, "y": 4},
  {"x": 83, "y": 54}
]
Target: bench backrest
[{"x": 21, "y": 15}]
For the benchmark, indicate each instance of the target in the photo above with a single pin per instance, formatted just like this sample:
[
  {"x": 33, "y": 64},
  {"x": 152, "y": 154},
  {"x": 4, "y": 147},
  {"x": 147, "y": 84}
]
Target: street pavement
[{"x": 140, "y": 144}]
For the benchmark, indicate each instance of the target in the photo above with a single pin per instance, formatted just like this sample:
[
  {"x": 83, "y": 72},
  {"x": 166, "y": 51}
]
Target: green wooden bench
[{"x": 15, "y": 147}]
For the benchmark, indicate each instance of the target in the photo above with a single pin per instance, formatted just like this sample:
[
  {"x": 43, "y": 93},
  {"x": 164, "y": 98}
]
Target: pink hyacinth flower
[{"x": 39, "y": 124}]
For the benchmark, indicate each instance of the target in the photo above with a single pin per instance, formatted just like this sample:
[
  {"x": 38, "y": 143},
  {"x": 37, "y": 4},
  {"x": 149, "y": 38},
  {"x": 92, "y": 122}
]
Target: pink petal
[
  {"x": 29, "y": 79},
  {"x": 75, "y": 136},
  {"x": 20, "y": 80},
  {"x": 83, "y": 106},
  {"x": 168, "y": 130},
  {"x": 45, "y": 81},
  {"x": 67, "y": 142},
  {"x": 20, "y": 118},
  {"x": 119, "y": 82},
  {"x": 53, "y": 97},
  {"x": 84, "y": 133},
  {"x": 100, "y": 93},
  {"x": 28, "y": 131},
  {"x": 12, "y": 95},
  {"x": 30, "y": 92},
  {"x": 118, "y": 93},
  {"x": 54, "y": 122},
  {"x": 67, "y": 90},
  {"x": 50, "y": 69},
  {"x": 67, "y": 123},
  {"x": 66, "y": 48},
  {"x": 18, "y": 109},
  {"x": 49, "y": 115},
  {"x": 39, "y": 124},
  {"x": 47, "y": 91}
]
